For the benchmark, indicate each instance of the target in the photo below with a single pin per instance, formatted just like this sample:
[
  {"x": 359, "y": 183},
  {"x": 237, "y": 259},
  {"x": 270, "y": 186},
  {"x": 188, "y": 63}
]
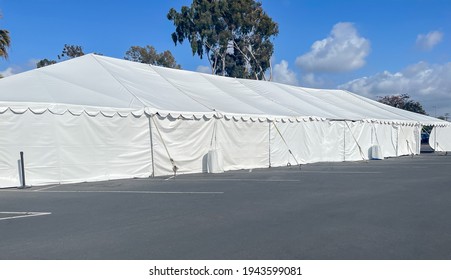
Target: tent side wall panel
[
  {"x": 76, "y": 148},
  {"x": 243, "y": 144},
  {"x": 440, "y": 139},
  {"x": 408, "y": 140},
  {"x": 358, "y": 140},
  {"x": 67, "y": 148},
  {"x": 386, "y": 136},
  {"x": 280, "y": 155},
  {"x": 187, "y": 141},
  {"x": 309, "y": 142},
  {"x": 331, "y": 144}
]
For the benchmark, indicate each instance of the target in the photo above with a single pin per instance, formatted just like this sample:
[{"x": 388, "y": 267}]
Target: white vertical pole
[
  {"x": 151, "y": 146},
  {"x": 344, "y": 142},
  {"x": 435, "y": 139},
  {"x": 269, "y": 143}
]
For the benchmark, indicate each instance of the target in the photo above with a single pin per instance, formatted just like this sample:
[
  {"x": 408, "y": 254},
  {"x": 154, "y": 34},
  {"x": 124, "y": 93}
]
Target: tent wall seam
[
  {"x": 174, "y": 166},
  {"x": 269, "y": 144},
  {"x": 151, "y": 146}
]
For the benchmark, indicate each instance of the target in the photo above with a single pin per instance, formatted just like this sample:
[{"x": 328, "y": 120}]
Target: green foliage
[
  {"x": 45, "y": 62},
  {"x": 234, "y": 35},
  {"x": 149, "y": 55},
  {"x": 402, "y": 101},
  {"x": 71, "y": 51},
  {"x": 68, "y": 52},
  {"x": 5, "y": 42}
]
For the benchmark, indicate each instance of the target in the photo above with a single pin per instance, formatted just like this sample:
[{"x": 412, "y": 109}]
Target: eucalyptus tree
[
  {"x": 234, "y": 35},
  {"x": 68, "y": 52},
  {"x": 149, "y": 55}
]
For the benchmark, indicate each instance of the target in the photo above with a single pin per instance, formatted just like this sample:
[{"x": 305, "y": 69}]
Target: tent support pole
[
  {"x": 269, "y": 144},
  {"x": 435, "y": 139},
  {"x": 344, "y": 142},
  {"x": 151, "y": 146},
  {"x": 420, "y": 128},
  {"x": 372, "y": 134},
  {"x": 22, "y": 171},
  {"x": 174, "y": 166}
]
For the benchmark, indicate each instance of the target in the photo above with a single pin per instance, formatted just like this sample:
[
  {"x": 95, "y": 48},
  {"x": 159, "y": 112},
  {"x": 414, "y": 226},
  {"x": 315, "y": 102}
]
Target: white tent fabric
[
  {"x": 440, "y": 139},
  {"x": 99, "y": 118},
  {"x": 62, "y": 148}
]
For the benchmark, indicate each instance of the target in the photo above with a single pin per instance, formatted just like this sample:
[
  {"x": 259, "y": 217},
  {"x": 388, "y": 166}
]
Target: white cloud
[
  {"x": 428, "y": 41},
  {"x": 311, "y": 80},
  {"x": 344, "y": 50},
  {"x": 7, "y": 72},
  {"x": 429, "y": 84},
  {"x": 15, "y": 69},
  {"x": 203, "y": 69},
  {"x": 282, "y": 74}
]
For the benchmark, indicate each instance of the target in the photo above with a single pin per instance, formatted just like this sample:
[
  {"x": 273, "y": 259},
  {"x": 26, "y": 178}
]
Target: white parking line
[
  {"x": 46, "y": 188},
  {"x": 138, "y": 192},
  {"x": 342, "y": 172},
  {"x": 238, "y": 180},
  {"x": 23, "y": 215}
]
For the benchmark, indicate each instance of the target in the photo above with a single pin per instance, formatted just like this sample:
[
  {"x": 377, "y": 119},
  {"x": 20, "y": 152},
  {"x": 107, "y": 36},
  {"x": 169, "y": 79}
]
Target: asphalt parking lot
[{"x": 396, "y": 208}]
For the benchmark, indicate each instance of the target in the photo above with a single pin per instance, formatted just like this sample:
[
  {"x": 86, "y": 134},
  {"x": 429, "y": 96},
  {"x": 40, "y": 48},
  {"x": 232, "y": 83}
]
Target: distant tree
[
  {"x": 235, "y": 35},
  {"x": 68, "y": 52},
  {"x": 1, "y": 76},
  {"x": 45, "y": 62},
  {"x": 149, "y": 55},
  {"x": 71, "y": 51},
  {"x": 445, "y": 117},
  {"x": 5, "y": 42},
  {"x": 402, "y": 101}
]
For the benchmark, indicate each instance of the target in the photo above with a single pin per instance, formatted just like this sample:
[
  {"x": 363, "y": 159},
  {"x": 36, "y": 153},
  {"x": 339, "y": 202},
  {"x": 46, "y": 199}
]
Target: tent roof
[{"x": 98, "y": 84}]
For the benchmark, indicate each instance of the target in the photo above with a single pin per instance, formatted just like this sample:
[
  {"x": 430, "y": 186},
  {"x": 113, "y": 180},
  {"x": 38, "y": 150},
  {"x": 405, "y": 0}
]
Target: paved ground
[{"x": 391, "y": 209}]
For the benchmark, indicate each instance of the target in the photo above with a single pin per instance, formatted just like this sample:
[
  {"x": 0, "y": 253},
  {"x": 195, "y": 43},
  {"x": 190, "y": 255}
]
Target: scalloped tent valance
[{"x": 94, "y": 84}]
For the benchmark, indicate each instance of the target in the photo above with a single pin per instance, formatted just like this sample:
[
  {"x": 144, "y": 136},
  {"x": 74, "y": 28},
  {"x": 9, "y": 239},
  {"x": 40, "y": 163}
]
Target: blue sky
[{"x": 372, "y": 47}]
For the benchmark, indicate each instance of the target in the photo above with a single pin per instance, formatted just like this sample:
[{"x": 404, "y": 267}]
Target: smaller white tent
[
  {"x": 99, "y": 118},
  {"x": 440, "y": 139}
]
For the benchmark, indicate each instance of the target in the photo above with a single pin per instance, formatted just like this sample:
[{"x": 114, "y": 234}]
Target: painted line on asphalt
[
  {"x": 132, "y": 192},
  {"x": 23, "y": 215},
  {"x": 422, "y": 163},
  {"x": 46, "y": 188},
  {"x": 232, "y": 179},
  {"x": 342, "y": 172}
]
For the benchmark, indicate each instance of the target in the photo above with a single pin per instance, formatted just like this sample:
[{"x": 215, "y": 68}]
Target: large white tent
[{"x": 99, "y": 118}]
